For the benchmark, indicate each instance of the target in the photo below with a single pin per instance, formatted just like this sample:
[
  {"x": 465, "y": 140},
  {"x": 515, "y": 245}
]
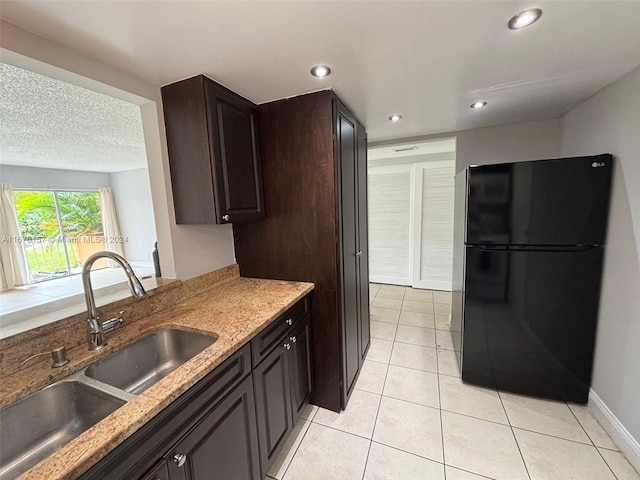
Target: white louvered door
[
  {"x": 390, "y": 194},
  {"x": 433, "y": 218},
  {"x": 411, "y": 224}
]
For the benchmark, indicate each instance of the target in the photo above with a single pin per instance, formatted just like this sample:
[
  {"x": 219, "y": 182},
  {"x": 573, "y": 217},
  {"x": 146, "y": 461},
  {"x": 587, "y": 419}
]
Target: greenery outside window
[{"x": 60, "y": 229}]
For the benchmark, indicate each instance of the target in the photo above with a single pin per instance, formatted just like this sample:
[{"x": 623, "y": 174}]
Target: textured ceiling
[
  {"x": 48, "y": 123},
  {"x": 428, "y": 60}
]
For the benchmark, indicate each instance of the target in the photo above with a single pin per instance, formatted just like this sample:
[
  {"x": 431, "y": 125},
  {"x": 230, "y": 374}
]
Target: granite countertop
[{"x": 234, "y": 311}]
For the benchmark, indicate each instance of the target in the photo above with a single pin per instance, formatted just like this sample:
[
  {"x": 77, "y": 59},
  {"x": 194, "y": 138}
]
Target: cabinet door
[
  {"x": 233, "y": 130},
  {"x": 160, "y": 471},
  {"x": 301, "y": 375},
  {"x": 223, "y": 444},
  {"x": 272, "y": 383},
  {"x": 363, "y": 241},
  {"x": 346, "y": 136}
]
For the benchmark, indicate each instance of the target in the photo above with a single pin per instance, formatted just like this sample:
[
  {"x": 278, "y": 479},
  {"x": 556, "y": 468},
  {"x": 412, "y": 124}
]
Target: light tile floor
[{"x": 410, "y": 416}]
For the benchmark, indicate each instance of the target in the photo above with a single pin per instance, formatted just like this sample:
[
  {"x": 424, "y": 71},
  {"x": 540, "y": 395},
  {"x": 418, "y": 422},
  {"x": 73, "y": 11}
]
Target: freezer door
[
  {"x": 546, "y": 202},
  {"x": 530, "y": 321}
]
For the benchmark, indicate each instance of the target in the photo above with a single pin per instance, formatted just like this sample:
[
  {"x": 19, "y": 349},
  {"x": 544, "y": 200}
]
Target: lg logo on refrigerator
[{"x": 597, "y": 164}]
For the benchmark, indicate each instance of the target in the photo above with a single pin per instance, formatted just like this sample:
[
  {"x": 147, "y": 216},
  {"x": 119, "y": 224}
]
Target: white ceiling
[
  {"x": 48, "y": 123},
  {"x": 428, "y": 60}
]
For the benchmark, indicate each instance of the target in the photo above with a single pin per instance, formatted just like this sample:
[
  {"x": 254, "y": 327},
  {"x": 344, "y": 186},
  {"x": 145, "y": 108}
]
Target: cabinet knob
[
  {"x": 289, "y": 321},
  {"x": 287, "y": 346},
  {"x": 358, "y": 253},
  {"x": 179, "y": 459},
  {"x": 293, "y": 339},
  {"x": 225, "y": 218}
]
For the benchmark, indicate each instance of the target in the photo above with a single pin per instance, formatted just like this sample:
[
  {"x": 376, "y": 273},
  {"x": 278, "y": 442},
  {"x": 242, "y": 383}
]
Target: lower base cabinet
[
  {"x": 282, "y": 383},
  {"x": 300, "y": 367},
  {"x": 273, "y": 396},
  {"x": 223, "y": 444},
  {"x": 158, "y": 472},
  {"x": 233, "y": 423}
]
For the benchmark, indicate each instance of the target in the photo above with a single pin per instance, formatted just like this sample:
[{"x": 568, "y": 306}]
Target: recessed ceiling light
[
  {"x": 395, "y": 118},
  {"x": 321, "y": 71},
  {"x": 477, "y": 105},
  {"x": 525, "y": 18}
]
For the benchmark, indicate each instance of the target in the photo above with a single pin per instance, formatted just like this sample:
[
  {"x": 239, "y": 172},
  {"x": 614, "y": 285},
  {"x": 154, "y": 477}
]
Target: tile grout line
[
  {"x": 473, "y": 416},
  {"x": 431, "y": 459},
  {"x": 335, "y": 429},
  {"x": 410, "y": 453},
  {"x": 592, "y": 442},
  {"x": 581, "y": 426},
  {"x": 284, "y": 474},
  {"x": 444, "y": 455},
  {"x": 514, "y": 435},
  {"x": 554, "y": 436},
  {"x": 375, "y": 421},
  {"x": 607, "y": 464}
]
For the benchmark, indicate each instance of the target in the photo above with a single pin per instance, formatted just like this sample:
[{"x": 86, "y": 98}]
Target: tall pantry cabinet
[{"x": 314, "y": 171}]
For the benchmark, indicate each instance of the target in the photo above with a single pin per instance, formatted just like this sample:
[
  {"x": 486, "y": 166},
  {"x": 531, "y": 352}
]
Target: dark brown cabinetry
[
  {"x": 314, "y": 167},
  {"x": 282, "y": 381},
  {"x": 362, "y": 233},
  {"x": 214, "y": 153},
  {"x": 232, "y": 423},
  {"x": 273, "y": 393},
  {"x": 223, "y": 444},
  {"x": 158, "y": 472},
  {"x": 300, "y": 367}
]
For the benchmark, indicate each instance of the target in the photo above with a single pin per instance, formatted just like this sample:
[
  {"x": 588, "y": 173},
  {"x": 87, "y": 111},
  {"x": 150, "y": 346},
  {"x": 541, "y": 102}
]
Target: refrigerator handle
[{"x": 534, "y": 248}]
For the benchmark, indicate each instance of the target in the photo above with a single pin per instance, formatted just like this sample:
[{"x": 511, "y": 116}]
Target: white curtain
[
  {"x": 110, "y": 224},
  {"x": 14, "y": 270}
]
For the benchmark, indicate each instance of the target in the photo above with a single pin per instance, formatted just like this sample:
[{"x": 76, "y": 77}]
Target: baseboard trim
[
  {"x": 616, "y": 430},
  {"x": 390, "y": 280}
]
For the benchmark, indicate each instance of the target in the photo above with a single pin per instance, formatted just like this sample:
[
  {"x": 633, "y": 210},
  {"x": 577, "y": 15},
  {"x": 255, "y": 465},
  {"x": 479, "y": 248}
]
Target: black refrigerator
[{"x": 529, "y": 240}]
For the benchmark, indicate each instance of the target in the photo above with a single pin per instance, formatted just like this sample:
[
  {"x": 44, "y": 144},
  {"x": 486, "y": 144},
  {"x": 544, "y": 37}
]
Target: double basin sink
[{"x": 36, "y": 426}]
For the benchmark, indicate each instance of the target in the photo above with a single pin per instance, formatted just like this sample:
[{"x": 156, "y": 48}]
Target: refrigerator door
[
  {"x": 530, "y": 320},
  {"x": 545, "y": 202}
]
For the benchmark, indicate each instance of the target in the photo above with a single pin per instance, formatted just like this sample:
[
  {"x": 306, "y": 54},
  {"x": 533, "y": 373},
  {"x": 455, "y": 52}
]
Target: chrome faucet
[{"x": 97, "y": 339}]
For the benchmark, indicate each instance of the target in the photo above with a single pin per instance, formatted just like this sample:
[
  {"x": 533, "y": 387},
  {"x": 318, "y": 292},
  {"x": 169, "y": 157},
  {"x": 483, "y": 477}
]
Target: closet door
[
  {"x": 363, "y": 243},
  {"x": 346, "y": 139},
  {"x": 433, "y": 220},
  {"x": 390, "y": 224}
]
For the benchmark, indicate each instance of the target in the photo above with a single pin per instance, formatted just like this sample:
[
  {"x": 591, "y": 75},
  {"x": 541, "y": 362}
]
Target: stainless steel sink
[
  {"x": 38, "y": 425},
  {"x": 138, "y": 366}
]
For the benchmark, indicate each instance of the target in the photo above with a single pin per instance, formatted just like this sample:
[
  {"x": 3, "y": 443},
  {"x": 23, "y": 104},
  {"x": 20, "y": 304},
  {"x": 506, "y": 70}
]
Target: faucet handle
[
  {"x": 115, "y": 322},
  {"x": 58, "y": 355}
]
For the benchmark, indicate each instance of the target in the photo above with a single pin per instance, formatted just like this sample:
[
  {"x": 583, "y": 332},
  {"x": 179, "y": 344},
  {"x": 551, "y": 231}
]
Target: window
[{"x": 60, "y": 230}]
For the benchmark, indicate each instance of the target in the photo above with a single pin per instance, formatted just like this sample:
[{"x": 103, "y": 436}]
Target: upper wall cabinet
[{"x": 214, "y": 155}]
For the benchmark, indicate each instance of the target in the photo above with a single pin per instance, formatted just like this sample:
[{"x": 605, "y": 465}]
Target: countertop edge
[{"x": 84, "y": 451}]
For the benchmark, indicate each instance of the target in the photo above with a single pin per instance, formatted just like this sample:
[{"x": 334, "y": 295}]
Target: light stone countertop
[{"x": 234, "y": 311}]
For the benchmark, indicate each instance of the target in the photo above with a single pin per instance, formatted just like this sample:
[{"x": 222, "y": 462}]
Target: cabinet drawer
[
  {"x": 230, "y": 372},
  {"x": 273, "y": 334}
]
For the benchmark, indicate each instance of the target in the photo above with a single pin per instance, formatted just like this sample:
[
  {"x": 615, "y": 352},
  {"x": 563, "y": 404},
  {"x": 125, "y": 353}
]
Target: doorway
[{"x": 411, "y": 190}]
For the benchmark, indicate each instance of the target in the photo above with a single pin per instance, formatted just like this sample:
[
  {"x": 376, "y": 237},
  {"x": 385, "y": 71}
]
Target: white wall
[
  {"x": 51, "y": 178},
  {"x": 506, "y": 143},
  {"x": 501, "y": 144},
  {"x": 134, "y": 207},
  {"x": 609, "y": 122},
  {"x": 185, "y": 252}
]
